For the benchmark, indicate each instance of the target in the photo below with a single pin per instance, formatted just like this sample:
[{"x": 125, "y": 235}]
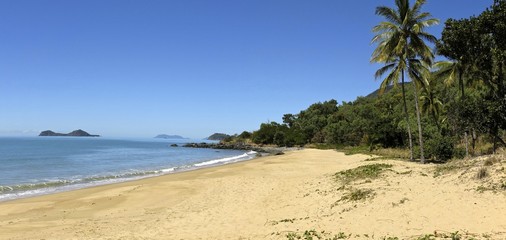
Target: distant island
[
  {"x": 76, "y": 133},
  {"x": 165, "y": 136},
  {"x": 218, "y": 136}
]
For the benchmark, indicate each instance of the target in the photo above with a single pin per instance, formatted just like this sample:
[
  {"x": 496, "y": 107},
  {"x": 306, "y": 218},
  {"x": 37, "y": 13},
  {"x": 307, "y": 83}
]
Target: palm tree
[
  {"x": 450, "y": 72},
  {"x": 401, "y": 47},
  {"x": 431, "y": 105}
]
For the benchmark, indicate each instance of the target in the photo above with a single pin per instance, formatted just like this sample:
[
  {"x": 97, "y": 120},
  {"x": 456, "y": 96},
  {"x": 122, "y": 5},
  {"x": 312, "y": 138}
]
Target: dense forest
[{"x": 437, "y": 110}]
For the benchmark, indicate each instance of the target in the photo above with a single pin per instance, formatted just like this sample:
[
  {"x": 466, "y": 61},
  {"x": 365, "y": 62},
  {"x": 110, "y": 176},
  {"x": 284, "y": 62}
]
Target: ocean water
[{"x": 41, "y": 165}]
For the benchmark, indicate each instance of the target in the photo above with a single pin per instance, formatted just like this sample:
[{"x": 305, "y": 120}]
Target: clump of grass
[
  {"x": 426, "y": 237},
  {"x": 402, "y": 201},
  {"x": 392, "y": 153},
  {"x": 322, "y": 146},
  {"x": 492, "y": 160},
  {"x": 313, "y": 234},
  {"x": 357, "y": 195},
  {"x": 482, "y": 189},
  {"x": 405, "y": 173},
  {"x": 448, "y": 167},
  {"x": 363, "y": 172},
  {"x": 287, "y": 220},
  {"x": 354, "y": 150},
  {"x": 482, "y": 173}
]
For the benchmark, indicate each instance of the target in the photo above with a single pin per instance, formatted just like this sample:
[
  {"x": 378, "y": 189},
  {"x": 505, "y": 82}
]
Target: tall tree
[
  {"x": 402, "y": 48},
  {"x": 450, "y": 72},
  {"x": 480, "y": 43},
  {"x": 431, "y": 104}
]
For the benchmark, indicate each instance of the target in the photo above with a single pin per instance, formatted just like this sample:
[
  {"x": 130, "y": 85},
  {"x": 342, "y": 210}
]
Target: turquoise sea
[{"x": 31, "y": 166}]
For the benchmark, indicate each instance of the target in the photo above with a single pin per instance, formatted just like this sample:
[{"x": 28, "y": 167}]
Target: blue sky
[{"x": 139, "y": 68}]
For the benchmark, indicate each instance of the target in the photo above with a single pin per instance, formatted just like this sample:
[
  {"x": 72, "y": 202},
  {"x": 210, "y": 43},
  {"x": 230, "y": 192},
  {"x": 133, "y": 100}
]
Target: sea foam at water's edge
[
  {"x": 49, "y": 187},
  {"x": 245, "y": 156},
  {"x": 35, "y": 166}
]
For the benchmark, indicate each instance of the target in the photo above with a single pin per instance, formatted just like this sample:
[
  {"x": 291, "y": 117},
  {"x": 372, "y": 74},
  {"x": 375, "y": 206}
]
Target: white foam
[
  {"x": 167, "y": 170},
  {"x": 245, "y": 156}
]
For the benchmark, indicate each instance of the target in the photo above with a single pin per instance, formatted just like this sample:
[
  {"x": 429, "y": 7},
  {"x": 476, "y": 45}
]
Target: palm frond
[
  {"x": 417, "y": 7},
  {"x": 421, "y": 16},
  {"x": 392, "y": 78},
  {"x": 446, "y": 71},
  {"x": 380, "y": 72},
  {"x": 388, "y": 13},
  {"x": 428, "y": 37},
  {"x": 385, "y": 27}
]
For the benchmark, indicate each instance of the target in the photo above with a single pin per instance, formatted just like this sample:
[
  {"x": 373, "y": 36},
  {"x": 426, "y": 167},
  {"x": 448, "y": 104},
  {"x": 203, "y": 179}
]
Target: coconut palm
[
  {"x": 431, "y": 105},
  {"x": 450, "y": 72},
  {"x": 401, "y": 41}
]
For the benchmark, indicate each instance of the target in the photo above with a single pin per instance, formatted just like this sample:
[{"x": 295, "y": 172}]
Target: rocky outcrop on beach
[
  {"x": 241, "y": 146},
  {"x": 76, "y": 133},
  {"x": 233, "y": 146}
]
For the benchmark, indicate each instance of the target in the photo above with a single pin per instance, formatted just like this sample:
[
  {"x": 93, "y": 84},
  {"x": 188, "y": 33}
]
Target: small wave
[
  {"x": 168, "y": 170},
  {"x": 245, "y": 156},
  {"x": 7, "y": 192},
  {"x": 60, "y": 185}
]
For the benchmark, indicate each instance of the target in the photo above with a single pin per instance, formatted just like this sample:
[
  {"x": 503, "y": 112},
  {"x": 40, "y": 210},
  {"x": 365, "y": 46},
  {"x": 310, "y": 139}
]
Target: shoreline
[
  {"x": 264, "y": 198},
  {"x": 132, "y": 177}
]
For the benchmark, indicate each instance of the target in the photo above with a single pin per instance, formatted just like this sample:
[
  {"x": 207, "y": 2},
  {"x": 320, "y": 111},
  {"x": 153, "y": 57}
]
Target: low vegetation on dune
[
  {"x": 323, "y": 235},
  {"x": 370, "y": 171},
  {"x": 484, "y": 173},
  {"x": 370, "y": 184}
]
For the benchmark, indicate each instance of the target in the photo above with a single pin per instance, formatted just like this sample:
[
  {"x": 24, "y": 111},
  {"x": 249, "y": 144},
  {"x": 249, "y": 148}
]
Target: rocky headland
[{"x": 76, "y": 133}]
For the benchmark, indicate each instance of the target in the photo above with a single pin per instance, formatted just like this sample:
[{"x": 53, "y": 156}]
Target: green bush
[{"x": 440, "y": 148}]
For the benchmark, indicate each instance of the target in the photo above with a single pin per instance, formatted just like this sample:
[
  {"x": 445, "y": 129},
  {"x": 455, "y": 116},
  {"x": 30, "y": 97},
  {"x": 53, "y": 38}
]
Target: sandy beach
[{"x": 272, "y": 198}]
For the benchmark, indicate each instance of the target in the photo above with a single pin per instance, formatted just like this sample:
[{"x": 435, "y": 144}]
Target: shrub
[{"x": 441, "y": 148}]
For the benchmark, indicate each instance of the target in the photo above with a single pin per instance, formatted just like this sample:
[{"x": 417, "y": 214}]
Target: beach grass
[{"x": 370, "y": 171}]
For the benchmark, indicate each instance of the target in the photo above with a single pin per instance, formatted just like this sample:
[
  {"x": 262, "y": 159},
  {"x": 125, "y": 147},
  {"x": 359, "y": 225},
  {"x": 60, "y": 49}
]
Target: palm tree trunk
[
  {"x": 420, "y": 137},
  {"x": 474, "y": 137},
  {"x": 462, "y": 95},
  {"x": 411, "y": 158},
  {"x": 461, "y": 84},
  {"x": 467, "y": 144}
]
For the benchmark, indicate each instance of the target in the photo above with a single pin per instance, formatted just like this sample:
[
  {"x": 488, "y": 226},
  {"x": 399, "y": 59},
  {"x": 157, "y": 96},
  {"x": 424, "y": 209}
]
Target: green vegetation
[
  {"x": 449, "y": 167},
  {"x": 323, "y": 235},
  {"x": 402, "y": 49},
  {"x": 218, "y": 136},
  {"x": 314, "y": 235},
  {"x": 456, "y": 107},
  {"x": 357, "y": 195},
  {"x": 361, "y": 173}
]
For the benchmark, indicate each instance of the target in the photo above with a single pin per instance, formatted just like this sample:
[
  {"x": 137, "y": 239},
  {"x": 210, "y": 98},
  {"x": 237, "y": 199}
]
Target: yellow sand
[{"x": 266, "y": 198}]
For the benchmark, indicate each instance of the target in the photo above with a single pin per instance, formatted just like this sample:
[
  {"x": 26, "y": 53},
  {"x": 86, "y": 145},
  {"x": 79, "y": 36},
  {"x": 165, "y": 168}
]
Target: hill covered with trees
[{"x": 455, "y": 107}]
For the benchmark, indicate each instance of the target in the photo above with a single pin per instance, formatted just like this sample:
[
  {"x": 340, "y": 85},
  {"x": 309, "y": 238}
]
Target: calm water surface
[{"x": 41, "y": 165}]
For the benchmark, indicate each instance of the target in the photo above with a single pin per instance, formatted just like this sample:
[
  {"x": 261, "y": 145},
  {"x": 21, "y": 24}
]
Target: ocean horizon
[{"x": 32, "y": 166}]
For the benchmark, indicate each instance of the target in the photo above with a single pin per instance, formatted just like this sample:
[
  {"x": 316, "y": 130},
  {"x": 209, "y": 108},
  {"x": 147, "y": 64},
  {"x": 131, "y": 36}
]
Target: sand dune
[{"x": 272, "y": 198}]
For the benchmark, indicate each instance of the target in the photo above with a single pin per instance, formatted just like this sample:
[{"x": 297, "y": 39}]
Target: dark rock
[
  {"x": 173, "y": 145},
  {"x": 231, "y": 146}
]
